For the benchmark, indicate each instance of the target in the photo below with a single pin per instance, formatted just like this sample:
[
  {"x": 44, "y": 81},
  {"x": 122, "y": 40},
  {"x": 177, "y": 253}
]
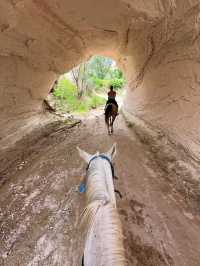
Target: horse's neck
[
  {"x": 100, "y": 182},
  {"x": 104, "y": 244}
]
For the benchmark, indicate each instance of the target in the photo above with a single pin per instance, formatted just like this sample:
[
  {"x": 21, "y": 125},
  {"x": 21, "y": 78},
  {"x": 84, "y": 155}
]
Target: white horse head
[
  {"x": 104, "y": 238},
  {"x": 87, "y": 157}
]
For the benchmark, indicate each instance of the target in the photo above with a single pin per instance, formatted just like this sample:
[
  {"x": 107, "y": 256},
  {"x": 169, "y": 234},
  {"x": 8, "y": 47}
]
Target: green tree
[
  {"x": 99, "y": 66},
  {"x": 80, "y": 77},
  {"x": 98, "y": 72}
]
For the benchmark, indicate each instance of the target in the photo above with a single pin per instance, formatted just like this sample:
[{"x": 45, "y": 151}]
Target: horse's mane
[
  {"x": 111, "y": 228},
  {"x": 101, "y": 211}
]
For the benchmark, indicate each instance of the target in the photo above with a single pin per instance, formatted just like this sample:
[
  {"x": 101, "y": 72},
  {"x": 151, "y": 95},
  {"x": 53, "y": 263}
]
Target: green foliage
[
  {"x": 96, "y": 74},
  {"x": 96, "y": 101},
  {"x": 67, "y": 100},
  {"x": 99, "y": 83},
  {"x": 102, "y": 73},
  {"x": 117, "y": 83},
  {"x": 116, "y": 73},
  {"x": 99, "y": 66},
  {"x": 65, "y": 89}
]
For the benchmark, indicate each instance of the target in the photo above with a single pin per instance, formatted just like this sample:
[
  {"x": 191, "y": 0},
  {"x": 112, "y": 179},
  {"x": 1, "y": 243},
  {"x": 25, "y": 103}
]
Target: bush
[
  {"x": 66, "y": 97},
  {"x": 65, "y": 89},
  {"x": 100, "y": 83},
  {"x": 117, "y": 83},
  {"x": 96, "y": 101}
]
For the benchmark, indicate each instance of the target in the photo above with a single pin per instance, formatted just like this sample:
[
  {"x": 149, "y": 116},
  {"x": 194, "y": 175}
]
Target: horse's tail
[{"x": 108, "y": 112}]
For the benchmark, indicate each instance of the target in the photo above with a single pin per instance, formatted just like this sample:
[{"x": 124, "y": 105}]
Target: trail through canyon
[{"x": 40, "y": 204}]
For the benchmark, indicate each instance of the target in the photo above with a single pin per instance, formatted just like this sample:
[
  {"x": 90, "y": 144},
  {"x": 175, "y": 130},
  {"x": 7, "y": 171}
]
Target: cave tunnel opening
[{"x": 84, "y": 88}]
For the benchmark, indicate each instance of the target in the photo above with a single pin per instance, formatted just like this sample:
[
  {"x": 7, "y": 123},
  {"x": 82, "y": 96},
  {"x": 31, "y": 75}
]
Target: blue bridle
[{"x": 102, "y": 156}]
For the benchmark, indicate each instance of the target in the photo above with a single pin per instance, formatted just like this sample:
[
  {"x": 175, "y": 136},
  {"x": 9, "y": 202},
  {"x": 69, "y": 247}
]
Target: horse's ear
[
  {"x": 83, "y": 154},
  {"x": 112, "y": 152}
]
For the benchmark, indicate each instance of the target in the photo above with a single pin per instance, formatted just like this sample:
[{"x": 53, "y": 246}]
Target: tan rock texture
[{"x": 156, "y": 43}]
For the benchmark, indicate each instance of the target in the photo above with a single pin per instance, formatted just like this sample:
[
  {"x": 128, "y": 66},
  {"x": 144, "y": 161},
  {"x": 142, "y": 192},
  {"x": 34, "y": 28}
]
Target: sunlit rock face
[
  {"x": 155, "y": 42},
  {"x": 165, "y": 76}
]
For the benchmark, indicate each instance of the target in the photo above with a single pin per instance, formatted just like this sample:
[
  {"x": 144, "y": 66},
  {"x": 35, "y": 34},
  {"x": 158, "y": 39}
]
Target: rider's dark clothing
[{"x": 111, "y": 100}]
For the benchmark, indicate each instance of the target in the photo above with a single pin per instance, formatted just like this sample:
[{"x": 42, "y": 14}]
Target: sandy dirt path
[{"x": 40, "y": 205}]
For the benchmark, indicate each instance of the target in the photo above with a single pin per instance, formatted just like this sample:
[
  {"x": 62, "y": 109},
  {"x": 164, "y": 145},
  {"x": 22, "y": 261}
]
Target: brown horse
[{"x": 110, "y": 114}]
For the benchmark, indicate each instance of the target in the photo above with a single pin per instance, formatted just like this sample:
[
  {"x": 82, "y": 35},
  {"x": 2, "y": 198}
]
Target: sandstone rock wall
[{"x": 164, "y": 91}]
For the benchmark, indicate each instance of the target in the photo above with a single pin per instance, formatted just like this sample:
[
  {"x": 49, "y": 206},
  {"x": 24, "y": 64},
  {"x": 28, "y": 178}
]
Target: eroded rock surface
[{"x": 155, "y": 42}]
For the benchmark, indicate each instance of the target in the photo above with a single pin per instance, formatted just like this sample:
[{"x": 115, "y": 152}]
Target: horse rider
[{"x": 111, "y": 96}]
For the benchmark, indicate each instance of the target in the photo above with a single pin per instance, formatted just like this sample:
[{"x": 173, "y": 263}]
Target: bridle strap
[
  {"x": 105, "y": 158},
  {"x": 93, "y": 158}
]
